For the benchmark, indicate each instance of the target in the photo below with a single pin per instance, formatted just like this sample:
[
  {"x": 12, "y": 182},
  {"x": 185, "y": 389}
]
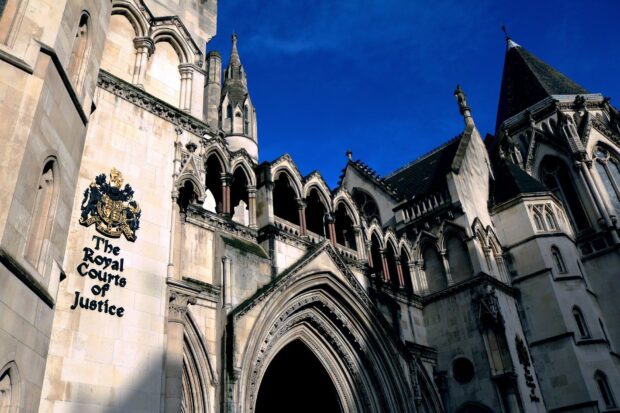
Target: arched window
[
  {"x": 608, "y": 168},
  {"x": 556, "y": 177},
  {"x": 187, "y": 195},
  {"x": 458, "y": 259},
  {"x": 366, "y": 204},
  {"x": 285, "y": 203},
  {"x": 550, "y": 219},
  {"x": 8, "y": 12},
  {"x": 229, "y": 111},
  {"x": 239, "y": 197},
  {"x": 580, "y": 322},
  {"x": 42, "y": 217},
  {"x": 558, "y": 260},
  {"x": 538, "y": 222},
  {"x": 246, "y": 121},
  {"x": 5, "y": 393},
  {"x": 214, "y": 199},
  {"x": 433, "y": 268},
  {"x": 79, "y": 53},
  {"x": 345, "y": 233},
  {"x": 9, "y": 381},
  {"x": 605, "y": 390},
  {"x": 316, "y": 219}
]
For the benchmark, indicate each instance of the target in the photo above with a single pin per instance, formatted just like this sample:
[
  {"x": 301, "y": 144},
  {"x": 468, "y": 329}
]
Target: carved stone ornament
[
  {"x": 177, "y": 305},
  {"x": 111, "y": 207},
  {"x": 487, "y": 308}
]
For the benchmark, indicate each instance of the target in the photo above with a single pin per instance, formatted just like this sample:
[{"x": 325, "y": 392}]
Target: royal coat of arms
[{"x": 110, "y": 207}]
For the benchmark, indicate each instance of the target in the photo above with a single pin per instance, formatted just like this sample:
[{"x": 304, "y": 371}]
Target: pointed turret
[
  {"x": 528, "y": 80},
  {"x": 237, "y": 113}
]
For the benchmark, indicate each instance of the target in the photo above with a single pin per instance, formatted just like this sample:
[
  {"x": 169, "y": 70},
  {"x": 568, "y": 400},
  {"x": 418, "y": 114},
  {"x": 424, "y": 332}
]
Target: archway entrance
[{"x": 296, "y": 381}]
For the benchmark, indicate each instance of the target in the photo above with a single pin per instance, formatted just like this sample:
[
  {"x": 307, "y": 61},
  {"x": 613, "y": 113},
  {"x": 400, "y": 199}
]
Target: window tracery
[
  {"x": 557, "y": 178},
  {"x": 608, "y": 169},
  {"x": 366, "y": 204}
]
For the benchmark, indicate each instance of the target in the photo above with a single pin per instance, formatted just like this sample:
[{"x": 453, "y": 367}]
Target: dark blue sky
[{"x": 377, "y": 76}]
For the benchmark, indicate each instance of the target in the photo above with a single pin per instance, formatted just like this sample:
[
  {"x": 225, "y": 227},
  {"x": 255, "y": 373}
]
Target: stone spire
[
  {"x": 235, "y": 80},
  {"x": 527, "y": 80},
  {"x": 237, "y": 113}
]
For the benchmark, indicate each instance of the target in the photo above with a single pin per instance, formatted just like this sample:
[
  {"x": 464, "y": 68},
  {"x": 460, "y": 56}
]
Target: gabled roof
[
  {"x": 426, "y": 174},
  {"x": 512, "y": 181},
  {"x": 527, "y": 80}
]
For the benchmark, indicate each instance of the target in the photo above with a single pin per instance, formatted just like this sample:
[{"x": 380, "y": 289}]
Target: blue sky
[{"x": 377, "y": 76}]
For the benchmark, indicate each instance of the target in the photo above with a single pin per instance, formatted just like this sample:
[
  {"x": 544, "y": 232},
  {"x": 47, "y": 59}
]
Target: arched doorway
[{"x": 296, "y": 381}]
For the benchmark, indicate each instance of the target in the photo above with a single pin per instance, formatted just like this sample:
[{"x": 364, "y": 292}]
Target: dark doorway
[{"x": 296, "y": 381}]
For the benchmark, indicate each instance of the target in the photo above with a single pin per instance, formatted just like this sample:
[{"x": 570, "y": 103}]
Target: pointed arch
[
  {"x": 171, "y": 34},
  {"x": 317, "y": 212},
  {"x": 80, "y": 52},
  {"x": 286, "y": 197},
  {"x": 191, "y": 190},
  {"x": 346, "y": 233},
  {"x": 196, "y": 385},
  {"x": 43, "y": 215},
  {"x": 342, "y": 197},
  {"x": 10, "y": 382},
  {"x": 243, "y": 163},
  {"x": 136, "y": 17},
  {"x": 308, "y": 312},
  {"x": 314, "y": 180},
  {"x": 433, "y": 267},
  {"x": 285, "y": 165}
]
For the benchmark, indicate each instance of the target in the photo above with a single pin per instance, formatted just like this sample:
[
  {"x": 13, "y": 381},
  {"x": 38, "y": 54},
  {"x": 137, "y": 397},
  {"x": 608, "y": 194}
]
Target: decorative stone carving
[{"x": 177, "y": 305}]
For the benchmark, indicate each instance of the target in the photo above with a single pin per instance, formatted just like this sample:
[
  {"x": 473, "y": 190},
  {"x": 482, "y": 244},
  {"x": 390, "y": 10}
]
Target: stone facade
[{"x": 149, "y": 263}]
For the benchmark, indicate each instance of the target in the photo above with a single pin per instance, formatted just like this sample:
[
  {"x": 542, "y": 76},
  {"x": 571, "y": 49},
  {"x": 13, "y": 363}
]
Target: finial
[
  {"x": 349, "y": 154},
  {"x": 505, "y": 32},
  {"x": 462, "y": 102},
  {"x": 234, "y": 37},
  {"x": 509, "y": 42}
]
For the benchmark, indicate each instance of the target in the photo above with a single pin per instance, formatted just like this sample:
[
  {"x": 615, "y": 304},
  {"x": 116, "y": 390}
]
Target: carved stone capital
[
  {"x": 141, "y": 43},
  {"x": 177, "y": 306}
]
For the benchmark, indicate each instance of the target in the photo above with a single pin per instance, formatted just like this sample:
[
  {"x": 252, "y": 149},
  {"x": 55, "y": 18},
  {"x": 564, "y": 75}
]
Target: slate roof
[
  {"x": 426, "y": 174},
  {"x": 527, "y": 80},
  {"x": 512, "y": 181}
]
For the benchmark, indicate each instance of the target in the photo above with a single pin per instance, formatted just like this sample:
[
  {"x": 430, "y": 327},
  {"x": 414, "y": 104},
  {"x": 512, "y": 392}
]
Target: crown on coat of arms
[{"x": 111, "y": 207}]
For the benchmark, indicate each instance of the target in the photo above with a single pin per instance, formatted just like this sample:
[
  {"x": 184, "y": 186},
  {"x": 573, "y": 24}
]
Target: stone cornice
[
  {"x": 480, "y": 279},
  {"x": 150, "y": 103}
]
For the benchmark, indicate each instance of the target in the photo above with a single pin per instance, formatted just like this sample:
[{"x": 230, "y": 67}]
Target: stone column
[
  {"x": 359, "y": 242},
  {"x": 144, "y": 49},
  {"x": 225, "y": 179},
  {"x": 252, "y": 206},
  {"x": 446, "y": 266},
  {"x": 399, "y": 272},
  {"x": 177, "y": 308},
  {"x": 301, "y": 208},
  {"x": 187, "y": 74},
  {"x": 386, "y": 268},
  {"x": 331, "y": 228},
  {"x": 174, "y": 213},
  {"x": 416, "y": 281},
  {"x": 368, "y": 245}
]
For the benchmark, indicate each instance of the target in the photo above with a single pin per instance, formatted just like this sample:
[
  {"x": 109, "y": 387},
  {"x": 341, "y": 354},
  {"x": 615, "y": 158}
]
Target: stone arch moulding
[
  {"x": 15, "y": 381},
  {"x": 198, "y": 186},
  {"x": 137, "y": 18},
  {"x": 351, "y": 343}
]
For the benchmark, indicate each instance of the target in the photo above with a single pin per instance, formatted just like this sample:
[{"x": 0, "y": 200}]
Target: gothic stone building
[{"x": 149, "y": 262}]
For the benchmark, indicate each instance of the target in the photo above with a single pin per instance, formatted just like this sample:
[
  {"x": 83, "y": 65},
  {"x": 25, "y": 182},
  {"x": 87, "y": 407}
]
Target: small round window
[{"x": 462, "y": 370}]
